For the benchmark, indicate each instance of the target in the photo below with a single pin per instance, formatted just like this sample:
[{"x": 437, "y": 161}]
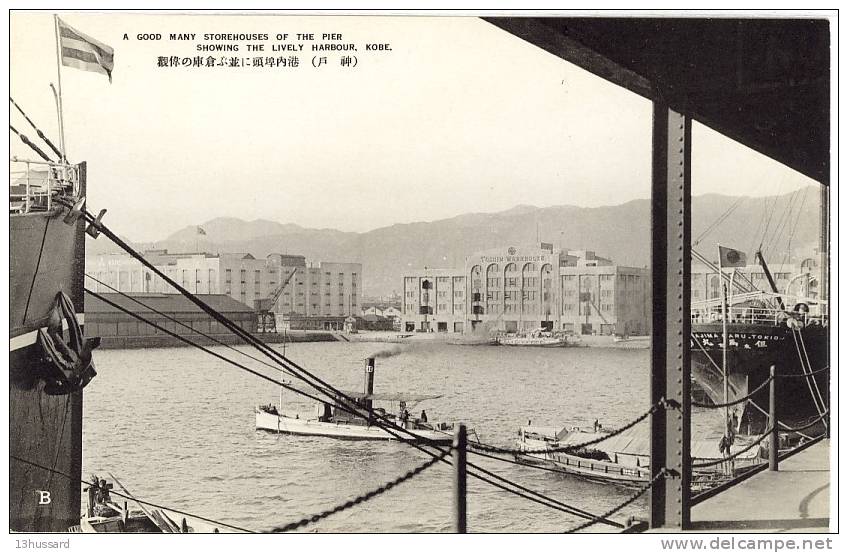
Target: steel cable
[
  {"x": 37, "y": 130},
  {"x": 806, "y": 426},
  {"x": 661, "y": 474},
  {"x": 736, "y": 401},
  {"x": 735, "y": 455},
  {"x": 565, "y": 449},
  {"x": 544, "y": 500},
  {"x": 184, "y": 325},
  {"x": 805, "y": 375},
  {"x": 361, "y": 498},
  {"x": 148, "y": 503},
  {"x": 391, "y": 428}
]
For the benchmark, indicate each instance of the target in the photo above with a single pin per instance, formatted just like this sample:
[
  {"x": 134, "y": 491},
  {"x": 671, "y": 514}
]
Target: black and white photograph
[{"x": 423, "y": 272}]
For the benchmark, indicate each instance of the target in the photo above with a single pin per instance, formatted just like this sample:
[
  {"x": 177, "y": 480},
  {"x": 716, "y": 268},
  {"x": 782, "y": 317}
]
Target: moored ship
[
  {"x": 764, "y": 330},
  {"x": 759, "y": 338},
  {"x": 49, "y": 360}
]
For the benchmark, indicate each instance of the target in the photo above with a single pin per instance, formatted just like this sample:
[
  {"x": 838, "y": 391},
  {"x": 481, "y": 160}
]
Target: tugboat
[{"x": 333, "y": 420}]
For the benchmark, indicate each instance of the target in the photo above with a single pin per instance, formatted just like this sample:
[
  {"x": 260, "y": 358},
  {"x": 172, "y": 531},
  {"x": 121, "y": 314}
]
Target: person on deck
[{"x": 423, "y": 415}]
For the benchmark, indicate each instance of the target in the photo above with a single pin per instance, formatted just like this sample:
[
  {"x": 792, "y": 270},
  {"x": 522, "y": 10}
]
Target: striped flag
[{"x": 83, "y": 52}]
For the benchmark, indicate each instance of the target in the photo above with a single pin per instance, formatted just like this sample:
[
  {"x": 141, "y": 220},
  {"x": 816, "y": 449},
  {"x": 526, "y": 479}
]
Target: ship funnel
[{"x": 369, "y": 380}]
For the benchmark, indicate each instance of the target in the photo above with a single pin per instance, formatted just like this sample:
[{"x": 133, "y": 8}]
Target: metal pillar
[
  {"x": 671, "y": 326},
  {"x": 460, "y": 442}
]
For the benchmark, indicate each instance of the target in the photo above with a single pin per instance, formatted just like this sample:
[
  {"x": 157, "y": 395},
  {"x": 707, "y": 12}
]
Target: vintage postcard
[{"x": 422, "y": 272}]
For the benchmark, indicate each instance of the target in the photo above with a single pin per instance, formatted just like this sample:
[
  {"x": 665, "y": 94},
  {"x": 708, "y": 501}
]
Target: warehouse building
[
  {"x": 524, "y": 288},
  {"x": 313, "y": 296},
  {"x": 118, "y": 329}
]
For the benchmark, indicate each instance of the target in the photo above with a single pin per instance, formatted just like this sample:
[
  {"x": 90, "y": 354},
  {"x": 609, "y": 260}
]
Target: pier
[{"x": 794, "y": 499}]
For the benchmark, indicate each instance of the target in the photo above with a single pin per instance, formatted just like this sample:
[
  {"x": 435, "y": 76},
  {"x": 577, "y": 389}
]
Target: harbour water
[{"x": 176, "y": 426}]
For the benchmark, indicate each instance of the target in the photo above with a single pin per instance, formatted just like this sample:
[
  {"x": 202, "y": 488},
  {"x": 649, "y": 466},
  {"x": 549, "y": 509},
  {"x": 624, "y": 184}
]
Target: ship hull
[
  {"x": 312, "y": 427},
  {"x": 46, "y": 257},
  {"x": 752, "y": 350}
]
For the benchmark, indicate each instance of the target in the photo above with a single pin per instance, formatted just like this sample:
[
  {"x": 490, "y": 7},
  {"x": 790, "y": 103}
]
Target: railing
[
  {"x": 33, "y": 184},
  {"x": 755, "y": 315}
]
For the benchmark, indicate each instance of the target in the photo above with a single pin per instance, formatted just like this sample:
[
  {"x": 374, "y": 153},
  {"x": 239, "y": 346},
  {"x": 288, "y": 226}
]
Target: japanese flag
[{"x": 728, "y": 257}]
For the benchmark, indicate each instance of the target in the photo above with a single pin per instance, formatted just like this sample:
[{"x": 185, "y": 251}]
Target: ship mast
[{"x": 724, "y": 345}]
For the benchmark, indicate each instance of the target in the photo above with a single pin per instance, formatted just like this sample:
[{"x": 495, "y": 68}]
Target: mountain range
[{"x": 620, "y": 232}]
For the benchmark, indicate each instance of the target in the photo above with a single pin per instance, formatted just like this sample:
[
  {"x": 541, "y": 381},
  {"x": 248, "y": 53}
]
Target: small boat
[
  {"x": 473, "y": 340},
  {"x": 540, "y": 338},
  {"x": 332, "y": 419},
  {"x": 623, "y": 459},
  {"x": 105, "y": 516}
]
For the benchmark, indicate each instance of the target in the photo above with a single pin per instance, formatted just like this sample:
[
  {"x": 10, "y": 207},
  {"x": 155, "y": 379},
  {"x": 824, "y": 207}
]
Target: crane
[{"x": 264, "y": 307}]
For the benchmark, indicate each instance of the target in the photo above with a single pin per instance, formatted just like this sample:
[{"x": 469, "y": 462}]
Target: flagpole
[{"x": 59, "y": 94}]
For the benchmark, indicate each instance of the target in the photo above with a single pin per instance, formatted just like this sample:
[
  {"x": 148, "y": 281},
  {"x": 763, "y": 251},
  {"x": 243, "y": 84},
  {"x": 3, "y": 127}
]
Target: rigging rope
[
  {"x": 661, "y": 474},
  {"x": 768, "y": 222},
  {"x": 798, "y": 429},
  {"x": 32, "y": 146},
  {"x": 37, "y": 130},
  {"x": 788, "y": 256},
  {"x": 721, "y": 218},
  {"x": 184, "y": 325},
  {"x": 554, "y": 504},
  {"x": 781, "y": 222},
  {"x": 361, "y": 498},
  {"x": 736, "y": 401},
  {"x": 390, "y": 427},
  {"x": 805, "y": 375},
  {"x": 809, "y": 369},
  {"x": 569, "y": 448},
  {"x": 809, "y": 381},
  {"x": 210, "y": 352},
  {"x": 545, "y": 500},
  {"x": 735, "y": 455},
  {"x": 762, "y": 411},
  {"x": 148, "y": 503}
]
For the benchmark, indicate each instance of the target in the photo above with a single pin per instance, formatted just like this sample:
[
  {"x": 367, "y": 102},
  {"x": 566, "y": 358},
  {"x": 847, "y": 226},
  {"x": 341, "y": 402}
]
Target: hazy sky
[{"x": 459, "y": 117}]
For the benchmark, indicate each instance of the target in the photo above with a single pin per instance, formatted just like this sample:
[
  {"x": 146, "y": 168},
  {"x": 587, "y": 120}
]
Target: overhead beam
[
  {"x": 761, "y": 82},
  {"x": 572, "y": 50}
]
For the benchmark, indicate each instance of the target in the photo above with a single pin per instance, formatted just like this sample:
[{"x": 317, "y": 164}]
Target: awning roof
[
  {"x": 391, "y": 396},
  {"x": 762, "y": 82},
  {"x": 408, "y": 397}
]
